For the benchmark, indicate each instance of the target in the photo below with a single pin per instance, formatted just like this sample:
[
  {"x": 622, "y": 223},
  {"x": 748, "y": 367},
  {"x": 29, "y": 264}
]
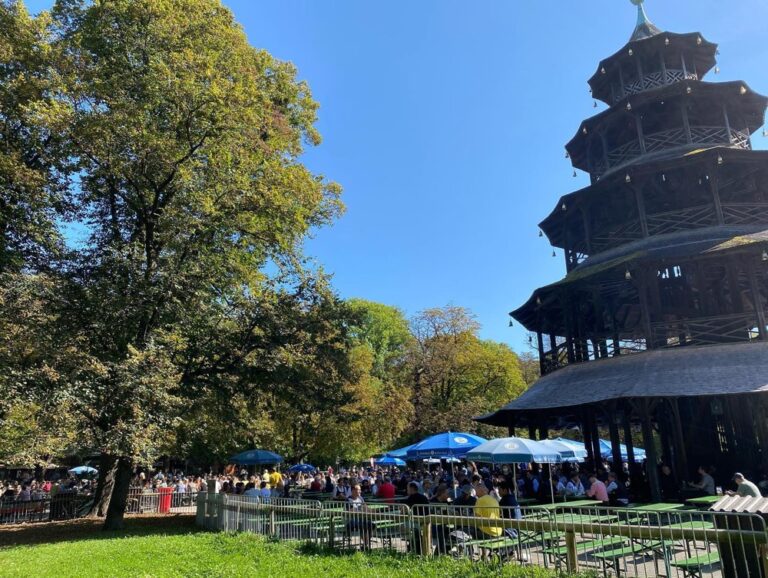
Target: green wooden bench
[
  {"x": 611, "y": 558},
  {"x": 560, "y": 553},
  {"x": 693, "y": 567}
]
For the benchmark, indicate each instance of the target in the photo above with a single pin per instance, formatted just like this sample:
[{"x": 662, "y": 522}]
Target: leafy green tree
[
  {"x": 32, "y": 164},
  {"x": 186, "y": 142},
  {"x": 457, "y": 376}
]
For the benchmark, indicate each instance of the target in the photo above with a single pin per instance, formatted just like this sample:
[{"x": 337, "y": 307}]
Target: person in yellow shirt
[
  {"x": 486, "y": 507},
  {"x": 275, "y": 478}
]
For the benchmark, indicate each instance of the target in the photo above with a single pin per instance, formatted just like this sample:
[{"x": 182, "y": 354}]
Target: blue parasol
[
  {"x": 302, "y": 468},
  {"x": 389, "y": 460},
  {"x": 514, "y": 451},
  {"x": 256, "y": 458},
  {"x": 446, "y": 444},
  {"x": 81, "y": 470}
]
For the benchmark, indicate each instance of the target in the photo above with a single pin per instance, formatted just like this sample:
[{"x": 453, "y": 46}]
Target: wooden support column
[
  {"x": 532, "y": 432},
  {"x": 645, "y": 408},
  {"x": 595, "y": 438},
  {"x": 587, "y": 230},
  {"x": 640, "y": 203},
  {"x": 686, "y": 121},
  {"x": 540, "y": 345},
  {"x": 681, "y": 453},
  {"x": 757, "y": 298},
  {"x": 640, "y": 136},
  {"x": 621, "y": 81},
  {"x": 586, "y": 432},
  {"x": 613, "y": 417},
  {"x": 645, "y": 313},
  {"x": 714, "y": 189},
  {"x": 627, "y": 424},
  {"x": 727, "y": 122},
  {"x": 565, "y": 305}
]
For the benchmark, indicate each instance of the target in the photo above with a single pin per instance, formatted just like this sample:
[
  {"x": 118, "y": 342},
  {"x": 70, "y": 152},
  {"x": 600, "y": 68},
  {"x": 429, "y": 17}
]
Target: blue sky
[{"x": 445, "y": 121}]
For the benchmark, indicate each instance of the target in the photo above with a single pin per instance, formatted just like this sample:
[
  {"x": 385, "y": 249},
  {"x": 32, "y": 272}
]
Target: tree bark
[
  {"x": 119, "y": 498},
  {"x": 104, "y": 486}
]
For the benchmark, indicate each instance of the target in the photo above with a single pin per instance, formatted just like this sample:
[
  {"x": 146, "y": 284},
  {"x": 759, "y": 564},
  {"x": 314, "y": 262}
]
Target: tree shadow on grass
[{"x": 91, "y": 529}]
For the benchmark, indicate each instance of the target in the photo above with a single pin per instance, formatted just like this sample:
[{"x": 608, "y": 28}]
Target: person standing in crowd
[{"x": 386, "y": 491}]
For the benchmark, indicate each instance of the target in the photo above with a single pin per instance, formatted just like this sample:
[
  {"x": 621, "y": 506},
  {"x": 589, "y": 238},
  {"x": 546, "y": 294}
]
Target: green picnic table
[
  {"x": 573, "y": 504},
  {"x": 657, "y": 507},
  {"x": 704, "y": 500},
  {"x": 526, "y": 501}
]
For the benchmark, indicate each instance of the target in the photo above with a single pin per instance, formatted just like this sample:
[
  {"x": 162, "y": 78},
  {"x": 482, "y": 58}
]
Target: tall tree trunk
[
  {"x": 122, "y": 483},
  {"x": 104, "y": 486}
]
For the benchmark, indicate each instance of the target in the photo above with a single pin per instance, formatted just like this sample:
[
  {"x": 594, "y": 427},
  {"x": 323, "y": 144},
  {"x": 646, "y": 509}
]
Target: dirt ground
[{"x": 68, "y": 530}]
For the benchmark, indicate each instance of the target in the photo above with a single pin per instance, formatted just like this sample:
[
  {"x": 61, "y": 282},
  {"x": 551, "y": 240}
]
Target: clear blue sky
[{"x": 445, "y": 121}]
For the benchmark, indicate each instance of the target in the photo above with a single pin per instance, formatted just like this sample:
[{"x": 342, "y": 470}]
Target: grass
[{"x": 159, "y": 548}]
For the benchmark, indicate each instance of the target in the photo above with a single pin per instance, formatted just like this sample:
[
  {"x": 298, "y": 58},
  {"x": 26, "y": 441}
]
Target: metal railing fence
[
  {"x": 657, "y": 540},
  {"x": 68, "y": 506}
]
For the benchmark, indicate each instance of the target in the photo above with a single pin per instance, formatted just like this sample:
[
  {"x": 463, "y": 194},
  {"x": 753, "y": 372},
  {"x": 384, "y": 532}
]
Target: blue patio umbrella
[
  {"x": 389, "y": 460},
  {"x": 302, "y": 468},
  {"x": 400, "y": 452},
  {"x": 83, "y": 470},
  {"x": 568, "y": 452},
  {"x": 256, "y": 458},
  {"x": 446, "y": 444},
  {"x": 606, "y": 451},
  {"x": 514, "y": 451},
  {"x": 578, "y": 447}
]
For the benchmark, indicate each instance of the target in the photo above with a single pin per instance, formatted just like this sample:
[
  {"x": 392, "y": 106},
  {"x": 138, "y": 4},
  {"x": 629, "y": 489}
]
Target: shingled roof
[{"x": 676, "y": 372}]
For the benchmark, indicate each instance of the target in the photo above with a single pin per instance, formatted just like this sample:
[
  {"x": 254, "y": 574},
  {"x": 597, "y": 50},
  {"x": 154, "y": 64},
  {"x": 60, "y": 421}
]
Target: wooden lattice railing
[
  {"x": 655, "y": 80},
  {"x": 745, "y": 213},
  {"x": 706, "y": 330},
  {"x": 669, "y": 139},
  {"x": 681, "y": 219}
]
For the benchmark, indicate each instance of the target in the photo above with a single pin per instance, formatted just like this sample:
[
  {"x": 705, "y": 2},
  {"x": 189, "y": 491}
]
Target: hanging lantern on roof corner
[
  {"x": 699, "y": 41},
  {"x": 717, "y": 70},
  {"x": 743, "y": 90},
  {"x": 764, "y": 256},
  {"x": 554, "y": 254},
  {"x": 666, "y": 42},
  {"x": 627, "y": 275},
  {"x": 563, "y": 207},
  {"x": 688, "y": 90},
  {"x": 602, "y": 70},
  {"x": 663, "y": 177},
  {"x": 631, "y": 52},
  {"x": 538, "y": 300},
  {"x": 627, "y": 179},
  {"x": 594, "y": 104},
  {"x": 574, "y": 173},
  {"x": 629, "y": 106},
  {"x": 719, "y": 159},
  {"x": 541, "y": 233}
]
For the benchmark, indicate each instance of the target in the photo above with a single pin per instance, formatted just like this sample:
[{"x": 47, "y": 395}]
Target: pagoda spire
[{"x": 645, "y": 28}]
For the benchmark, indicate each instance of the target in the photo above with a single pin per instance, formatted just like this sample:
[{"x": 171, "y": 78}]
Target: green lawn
[{"x": 181, "y": 550}]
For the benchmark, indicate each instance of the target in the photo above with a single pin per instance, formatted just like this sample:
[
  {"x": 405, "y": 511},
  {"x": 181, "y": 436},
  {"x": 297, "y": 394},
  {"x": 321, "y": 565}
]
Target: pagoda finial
[{"x": 645, "y": 28}]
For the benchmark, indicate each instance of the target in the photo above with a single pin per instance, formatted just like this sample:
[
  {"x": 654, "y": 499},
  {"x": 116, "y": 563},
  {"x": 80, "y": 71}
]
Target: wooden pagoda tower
[{"x": 660, "y": 323}]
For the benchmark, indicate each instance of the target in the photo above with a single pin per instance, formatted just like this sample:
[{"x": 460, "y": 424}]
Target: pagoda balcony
[
  {"x": 653, "y": 80},
  {"x": 696, "y": 217},
  {"x": 666, "y": 140},
  {"x": 706, "y": 331},
  {"x": 558, "y": 357},
  {"x": 717, "y": 330}
]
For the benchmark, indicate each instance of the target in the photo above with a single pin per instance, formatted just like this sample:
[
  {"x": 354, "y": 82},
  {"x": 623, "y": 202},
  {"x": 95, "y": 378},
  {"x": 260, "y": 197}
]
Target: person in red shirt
[
  {"x": 386, "y": 490},
  {"x": 317, "y": 484}
]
